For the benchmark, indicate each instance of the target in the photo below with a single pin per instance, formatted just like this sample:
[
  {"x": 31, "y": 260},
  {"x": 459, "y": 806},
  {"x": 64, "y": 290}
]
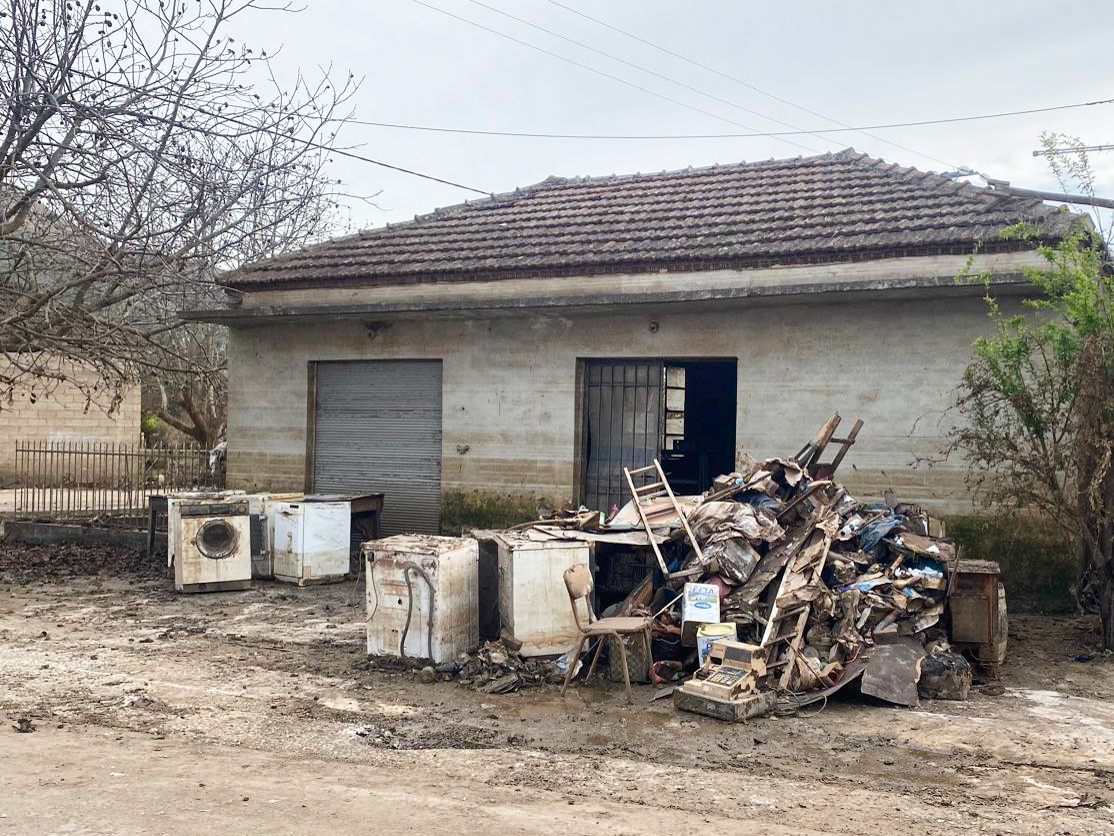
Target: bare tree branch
[{"x": 143, "y": 148}]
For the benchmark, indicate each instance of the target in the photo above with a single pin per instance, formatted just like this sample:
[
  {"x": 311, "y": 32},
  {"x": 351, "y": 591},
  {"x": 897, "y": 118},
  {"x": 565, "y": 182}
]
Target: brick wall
[{"x": 62, "y": 415}]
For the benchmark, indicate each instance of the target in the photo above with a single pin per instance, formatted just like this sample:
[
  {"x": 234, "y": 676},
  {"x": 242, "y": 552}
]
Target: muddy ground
[{"x": 256, "y": 712}]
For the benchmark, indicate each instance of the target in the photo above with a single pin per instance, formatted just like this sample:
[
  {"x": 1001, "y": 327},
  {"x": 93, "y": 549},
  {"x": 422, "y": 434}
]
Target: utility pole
[{"x": 1003, "y": 187}]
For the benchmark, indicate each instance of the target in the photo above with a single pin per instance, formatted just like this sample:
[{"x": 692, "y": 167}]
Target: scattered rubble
[
  {"x": 20, "y": 563},
  {"x": 497, "y": 669},
  {"x": 944, "y": 676}
]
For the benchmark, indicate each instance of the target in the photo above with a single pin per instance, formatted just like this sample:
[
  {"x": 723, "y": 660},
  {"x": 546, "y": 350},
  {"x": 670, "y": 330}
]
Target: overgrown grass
[
  {"x": 483, "y": 509},
  {"x": 1039, "y": 565}
]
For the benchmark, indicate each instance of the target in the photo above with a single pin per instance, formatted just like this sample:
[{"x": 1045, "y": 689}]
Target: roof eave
[{"x": 1013, "y": 282}]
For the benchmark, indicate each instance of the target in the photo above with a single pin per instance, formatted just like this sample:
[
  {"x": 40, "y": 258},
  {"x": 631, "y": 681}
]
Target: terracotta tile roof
[{"x": 828, "y": 207}]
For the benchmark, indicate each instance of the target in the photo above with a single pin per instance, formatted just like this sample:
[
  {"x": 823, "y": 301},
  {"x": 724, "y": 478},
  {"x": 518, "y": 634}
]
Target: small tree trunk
[{"x": 1106, "y": 612}]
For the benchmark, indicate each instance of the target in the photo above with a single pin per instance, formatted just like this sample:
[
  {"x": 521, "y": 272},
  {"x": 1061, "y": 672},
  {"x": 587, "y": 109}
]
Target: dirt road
[{"x": 256, "y": 712}]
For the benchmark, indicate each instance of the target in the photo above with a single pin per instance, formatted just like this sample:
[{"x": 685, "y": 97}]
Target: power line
[
  {"x": 946, "y": 121},
  {"x": 382, "y": 164},
  {"x": 591, "y": 69},
  {"x": 306, "y": 142},
  {"x": 740, "y": 81},
  {"x": 1046, "y": 151},
  {"x": 646, "y": 70}
]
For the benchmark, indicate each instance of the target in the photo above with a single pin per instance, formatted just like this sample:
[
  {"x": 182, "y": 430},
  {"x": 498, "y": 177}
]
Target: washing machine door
[{"x": 217, "y": 539}]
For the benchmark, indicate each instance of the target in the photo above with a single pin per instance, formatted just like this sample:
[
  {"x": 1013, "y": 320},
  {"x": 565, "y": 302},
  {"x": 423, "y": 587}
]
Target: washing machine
[
  {"x": 422, "y": 596},
  {"x": 210, "y": 543},
  {"x": 311, "y": 540},
  {"x": 174, "y": 502}
]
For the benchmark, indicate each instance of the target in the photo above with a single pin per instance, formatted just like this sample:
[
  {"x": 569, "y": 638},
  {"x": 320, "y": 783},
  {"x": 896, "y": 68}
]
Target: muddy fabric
[
  {"x": 715, "y": 522},
  {"x": 734, "y": 559}
]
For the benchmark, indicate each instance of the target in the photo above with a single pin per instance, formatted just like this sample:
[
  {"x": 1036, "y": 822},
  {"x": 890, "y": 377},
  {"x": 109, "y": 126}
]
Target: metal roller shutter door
[{"x": 377, "y": 427}]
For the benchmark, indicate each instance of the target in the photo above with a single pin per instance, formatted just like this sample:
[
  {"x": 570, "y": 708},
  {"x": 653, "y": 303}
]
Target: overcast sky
[{"x": 860, "y": 63}]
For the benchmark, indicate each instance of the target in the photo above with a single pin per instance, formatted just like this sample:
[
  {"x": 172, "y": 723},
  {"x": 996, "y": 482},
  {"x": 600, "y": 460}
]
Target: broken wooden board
[{"x": 618, "y": 538}]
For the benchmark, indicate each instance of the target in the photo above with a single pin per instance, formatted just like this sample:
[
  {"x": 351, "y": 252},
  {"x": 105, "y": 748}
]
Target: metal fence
[{"x": 63, "y": 479}]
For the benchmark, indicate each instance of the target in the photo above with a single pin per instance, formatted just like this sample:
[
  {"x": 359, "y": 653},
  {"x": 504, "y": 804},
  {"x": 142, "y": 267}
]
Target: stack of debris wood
[{"x": 821, "y": 589}]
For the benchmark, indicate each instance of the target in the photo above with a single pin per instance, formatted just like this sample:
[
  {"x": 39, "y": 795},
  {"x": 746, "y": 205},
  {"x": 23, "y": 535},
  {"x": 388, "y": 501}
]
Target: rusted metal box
[
  {"x": 533, "y": 602},
  {"x": 974, "y": 602},
  {"x": 977, "y": 613},
  {"x": 425, "y": 587}
]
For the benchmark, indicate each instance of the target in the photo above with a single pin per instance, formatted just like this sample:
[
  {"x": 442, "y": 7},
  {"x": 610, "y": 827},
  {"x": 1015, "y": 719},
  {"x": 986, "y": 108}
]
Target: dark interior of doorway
[
  {"x": 698, "y": 442},
  {"x": 681, "y": 412}
]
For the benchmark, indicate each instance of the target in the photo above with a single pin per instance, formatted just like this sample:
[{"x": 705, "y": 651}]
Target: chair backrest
[{"x": 578, "y": 582}]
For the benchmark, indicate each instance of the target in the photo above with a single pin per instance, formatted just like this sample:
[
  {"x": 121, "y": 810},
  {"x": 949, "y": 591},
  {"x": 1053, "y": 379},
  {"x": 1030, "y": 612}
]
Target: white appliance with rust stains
[
  {"x": 422, "y": 596},
  {"x": 311, "y": 541},
  {"x": 174, "y": 503},
  {"x": 209, "y": 542},
  {"x": 263, "y": 530},
  {"x": 533, "y": 602}
]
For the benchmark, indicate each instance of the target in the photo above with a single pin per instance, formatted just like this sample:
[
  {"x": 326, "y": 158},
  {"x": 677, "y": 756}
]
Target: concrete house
[{"x": 521, "y": 349}]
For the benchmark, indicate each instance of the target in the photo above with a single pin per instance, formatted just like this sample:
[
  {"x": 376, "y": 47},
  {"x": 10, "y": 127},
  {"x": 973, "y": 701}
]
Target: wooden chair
[{"x": 578, "y": 582}]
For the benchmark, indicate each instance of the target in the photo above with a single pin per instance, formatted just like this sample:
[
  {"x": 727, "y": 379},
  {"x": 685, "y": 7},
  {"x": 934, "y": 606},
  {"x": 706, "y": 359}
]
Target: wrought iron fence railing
[{"x": 85, "y": 480}]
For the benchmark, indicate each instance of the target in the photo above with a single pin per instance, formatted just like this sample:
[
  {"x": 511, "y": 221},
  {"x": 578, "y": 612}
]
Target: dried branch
[{"x": 143, "y": 148}]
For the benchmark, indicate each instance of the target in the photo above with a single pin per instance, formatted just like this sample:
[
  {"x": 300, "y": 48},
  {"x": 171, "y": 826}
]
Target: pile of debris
[
  {"x": 815, "y": 588},
  {"x": 498, "y": 668}
]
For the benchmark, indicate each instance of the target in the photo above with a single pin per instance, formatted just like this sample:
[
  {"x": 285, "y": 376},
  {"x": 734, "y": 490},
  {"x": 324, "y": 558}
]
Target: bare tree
[
  {"x": 195, "y": 403},
  {"x": 142, "y": 149}
]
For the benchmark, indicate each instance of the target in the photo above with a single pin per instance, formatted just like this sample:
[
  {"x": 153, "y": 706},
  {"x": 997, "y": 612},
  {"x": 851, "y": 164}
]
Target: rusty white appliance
[
  {"x": 422, "y": 596},
  {"x": 174, "y": 503},
  {"x": 533, "y": 602},
  {"x": 260, "y": 506},
  {"x": 311, "y": 539},
  {"x": 209, "y": 542}
]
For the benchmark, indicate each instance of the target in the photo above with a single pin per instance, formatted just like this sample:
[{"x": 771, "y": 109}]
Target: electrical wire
[
  {"x": 382, "y": 164},
  {"x": 921, "y": 123},
  {"x": 306, "y": 142},
  {"x": 739, "y": 81},
  {"x": 599, "y": 72},
  {"x": 406, "y": 572},
  {"x": 646, "y": 70}
]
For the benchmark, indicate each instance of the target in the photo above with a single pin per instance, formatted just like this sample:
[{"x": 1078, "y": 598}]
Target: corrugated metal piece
[
  {"x": 624, "y": 412},
  {"x": 377, "y": 427}
]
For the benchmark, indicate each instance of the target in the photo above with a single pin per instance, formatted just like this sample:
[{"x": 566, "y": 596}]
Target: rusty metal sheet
[{"x": 892, "y": 672}]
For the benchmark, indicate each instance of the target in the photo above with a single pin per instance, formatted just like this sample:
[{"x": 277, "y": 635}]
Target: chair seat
[{"x": 617, "y": 624}]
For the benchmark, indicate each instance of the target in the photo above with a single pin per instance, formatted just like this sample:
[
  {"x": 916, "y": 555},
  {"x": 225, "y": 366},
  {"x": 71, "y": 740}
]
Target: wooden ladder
[
  {"x": 653, "y": 491},
  {"x": 809, "y": 455},
  {"x": 785, "y": 630}
]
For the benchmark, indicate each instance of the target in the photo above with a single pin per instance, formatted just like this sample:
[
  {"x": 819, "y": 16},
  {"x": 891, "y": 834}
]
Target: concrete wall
[
  {"x": 61, "y": 415},
  {"x": 510, "y": 388}
]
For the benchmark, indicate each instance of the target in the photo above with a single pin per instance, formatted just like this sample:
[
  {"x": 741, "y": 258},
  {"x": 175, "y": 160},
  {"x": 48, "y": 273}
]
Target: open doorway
[{"x": 681, "y": 412}]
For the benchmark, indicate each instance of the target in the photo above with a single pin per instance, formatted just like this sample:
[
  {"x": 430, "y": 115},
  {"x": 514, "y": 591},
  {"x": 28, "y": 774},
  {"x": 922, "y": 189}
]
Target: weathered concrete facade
[{"x": 512, "y": 400}]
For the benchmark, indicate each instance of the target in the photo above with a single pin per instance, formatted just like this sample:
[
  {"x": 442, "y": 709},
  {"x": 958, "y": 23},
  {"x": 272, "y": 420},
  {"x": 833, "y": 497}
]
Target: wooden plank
[
  {"x": 680, "y": 513},
  {"x": 646, "y": 523}
]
